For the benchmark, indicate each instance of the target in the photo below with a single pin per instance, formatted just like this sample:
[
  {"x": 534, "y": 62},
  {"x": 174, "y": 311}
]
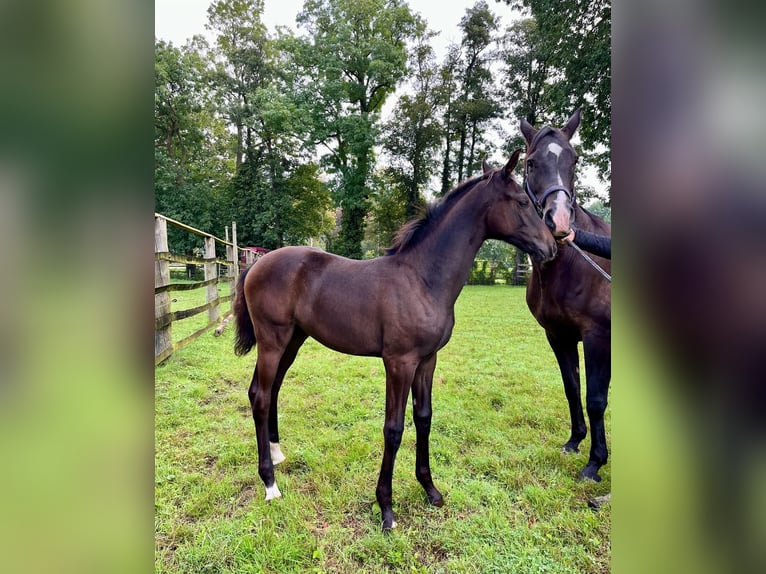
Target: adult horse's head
[
  {"x": 549, "y": 170},
  {"x": 511, "y": 216}
]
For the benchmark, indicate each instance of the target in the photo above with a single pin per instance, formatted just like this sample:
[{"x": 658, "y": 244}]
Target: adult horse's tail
[{"x": 245, "y": 339}]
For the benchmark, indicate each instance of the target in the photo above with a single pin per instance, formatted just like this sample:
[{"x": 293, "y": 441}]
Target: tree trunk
[{"x": 239, "y": 145}]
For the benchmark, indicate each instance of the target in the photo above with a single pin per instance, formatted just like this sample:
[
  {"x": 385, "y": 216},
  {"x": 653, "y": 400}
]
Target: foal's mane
[{"x": 412, "y": 232}]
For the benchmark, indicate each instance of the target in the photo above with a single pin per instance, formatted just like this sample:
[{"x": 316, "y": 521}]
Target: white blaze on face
[
  {"x": 556, "y": 150},
  {"x": 560, "y": 213}
]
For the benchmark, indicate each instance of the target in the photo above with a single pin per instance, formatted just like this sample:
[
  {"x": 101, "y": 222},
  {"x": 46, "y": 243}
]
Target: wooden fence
[{"x": 164, "y": 317}]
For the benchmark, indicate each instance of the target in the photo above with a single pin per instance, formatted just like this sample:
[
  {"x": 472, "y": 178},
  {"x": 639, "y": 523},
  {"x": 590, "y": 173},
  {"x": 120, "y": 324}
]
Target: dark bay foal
[{"x": 399, "y": 307}]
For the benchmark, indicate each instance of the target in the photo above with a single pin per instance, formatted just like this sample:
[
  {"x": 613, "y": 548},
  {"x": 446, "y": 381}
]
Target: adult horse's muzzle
[{"x": 558, "y": 216}]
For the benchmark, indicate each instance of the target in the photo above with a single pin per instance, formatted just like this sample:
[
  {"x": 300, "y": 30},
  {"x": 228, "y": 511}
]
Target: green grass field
[{"x": 513, "y": 501}]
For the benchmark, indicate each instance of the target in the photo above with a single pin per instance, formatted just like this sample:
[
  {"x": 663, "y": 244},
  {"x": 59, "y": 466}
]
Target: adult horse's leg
[
  {"x": 421, "y": 415},
  {"x": 565, "y": 349},
  {"x": 597, "y": 347},
  {"x": 399, "y": 375},
  {"x": 299, "y": 337}
]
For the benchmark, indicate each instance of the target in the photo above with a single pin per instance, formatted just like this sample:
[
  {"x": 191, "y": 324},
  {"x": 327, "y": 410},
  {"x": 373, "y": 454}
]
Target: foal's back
[{"x": 355, "y": 307}]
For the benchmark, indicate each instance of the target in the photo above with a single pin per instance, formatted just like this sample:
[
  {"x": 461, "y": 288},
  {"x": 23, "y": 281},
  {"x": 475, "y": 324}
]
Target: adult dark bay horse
[
  {"x": 399, "y": 307},
  {"x": 566, "y": 295}
]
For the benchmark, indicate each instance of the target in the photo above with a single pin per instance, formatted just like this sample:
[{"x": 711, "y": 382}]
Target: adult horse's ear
[
  {"x": 572, "y": 123},
  {"x": 511, "y": 165},
  {"x": 486, "y": 168},
  {"x": 528, "y": 131}
]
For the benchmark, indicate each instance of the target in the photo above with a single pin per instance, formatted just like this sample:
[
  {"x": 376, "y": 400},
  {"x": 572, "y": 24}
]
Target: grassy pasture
[{"x": 513, "y": 503}]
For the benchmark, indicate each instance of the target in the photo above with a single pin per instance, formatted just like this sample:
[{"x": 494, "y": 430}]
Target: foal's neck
[{"x": 444, "y": 258}]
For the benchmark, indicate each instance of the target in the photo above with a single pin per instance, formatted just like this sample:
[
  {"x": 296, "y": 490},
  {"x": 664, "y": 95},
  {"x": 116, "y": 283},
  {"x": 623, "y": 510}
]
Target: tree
[
  {"x": 525, "y": 73},
  {"x": 573, "y": 38},
  {"x": 477, "y": 104},
  {"x": 388, "y": 211},
  {"x": 352, "y": 59},
  {"x": 447, "y": 92},
  {"x": 467, "y": 95},
  {"x": 190, "y": 163},
  {"x": 275, "y": 193},
  {"x": 413, "y": 133},
  {"x": 242, "y": 61}
]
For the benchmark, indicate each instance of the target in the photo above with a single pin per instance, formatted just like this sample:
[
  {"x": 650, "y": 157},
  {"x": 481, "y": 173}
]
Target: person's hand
[{"x": 569, "y": 237}]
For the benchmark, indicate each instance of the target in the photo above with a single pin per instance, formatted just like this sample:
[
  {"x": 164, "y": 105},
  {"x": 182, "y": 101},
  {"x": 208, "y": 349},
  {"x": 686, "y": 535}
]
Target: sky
[{"x": 178, "y": 20}]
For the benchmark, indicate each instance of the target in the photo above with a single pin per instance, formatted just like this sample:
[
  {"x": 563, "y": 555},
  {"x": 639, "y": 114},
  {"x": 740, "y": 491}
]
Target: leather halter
[{"x": 538, "y": 203}]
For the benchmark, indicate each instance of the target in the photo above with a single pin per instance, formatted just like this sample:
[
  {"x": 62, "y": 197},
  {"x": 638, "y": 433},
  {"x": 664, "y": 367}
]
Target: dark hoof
[
  {"x": 436, "y": 500},
  {"x": 590, "y": 473},
  {"x": 570, "y": 448},
  {"x": 390, "y": 526}
]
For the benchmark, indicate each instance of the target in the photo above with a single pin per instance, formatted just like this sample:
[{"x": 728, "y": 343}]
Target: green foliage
[
  {"x": 513, "y": 501},
  {"x": 468, "y": 96},
  {"x": 290, "y": 209},
  {"x": 495, "y": 263},
  {"x": 601, "y": 209},
  {"x": 190, "y": 144},
  {"x": 240, "y": 124},
  {"x": 482, "y": 273},
  {"x": 413, "y": 134},
  {"x": 560, "y": 61},
  {"x": 352, "y": 59},
  {"x": 387, "y": 211}
]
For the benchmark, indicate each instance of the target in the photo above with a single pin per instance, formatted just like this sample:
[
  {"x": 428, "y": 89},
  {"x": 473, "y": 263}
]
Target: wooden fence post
[
  {"x": 211, "y": 272},
  {"x": 234, "y": 260},
  {"x": 163, "y": 343},
  {"x": 235, "y": 248}
]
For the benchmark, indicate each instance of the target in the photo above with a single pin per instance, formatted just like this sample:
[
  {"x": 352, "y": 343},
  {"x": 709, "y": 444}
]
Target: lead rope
[{"x": 587, "y": 258}]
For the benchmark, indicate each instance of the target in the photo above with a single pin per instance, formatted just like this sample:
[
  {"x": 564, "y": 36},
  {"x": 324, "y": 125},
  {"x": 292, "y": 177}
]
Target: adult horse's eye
[
  {"x": 530, "y": 164},
  {"x": 524, "y": 202}
]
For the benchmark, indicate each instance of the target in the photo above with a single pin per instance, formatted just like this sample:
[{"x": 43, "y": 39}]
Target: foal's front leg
[
  {"x": 421, "y": 415},
  {"x": 399, "y": 375}
]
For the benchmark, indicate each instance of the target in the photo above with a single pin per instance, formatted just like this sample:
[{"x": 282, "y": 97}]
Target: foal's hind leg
[
  {"x": 269, "y": 356},
  {"x": 299, "y": 337},
  {"x": 421, "y": 415},
  {"x": 598, "y": 372},
  {"x": 565, "y": 349}
]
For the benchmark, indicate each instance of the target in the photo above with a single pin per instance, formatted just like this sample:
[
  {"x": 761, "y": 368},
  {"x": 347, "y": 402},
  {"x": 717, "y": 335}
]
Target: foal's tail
[{"x": 245, "y": 339}]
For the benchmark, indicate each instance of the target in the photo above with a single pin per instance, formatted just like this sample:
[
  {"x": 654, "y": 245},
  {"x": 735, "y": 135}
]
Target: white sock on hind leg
[
  {"x": 276, "y": 453},
  {"x": 273, "y": 492}
]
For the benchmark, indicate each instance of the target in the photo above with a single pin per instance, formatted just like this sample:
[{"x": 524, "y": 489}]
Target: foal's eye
[
  {"x": 530, "y": 164},
  {"x": 524, "y": 202}
]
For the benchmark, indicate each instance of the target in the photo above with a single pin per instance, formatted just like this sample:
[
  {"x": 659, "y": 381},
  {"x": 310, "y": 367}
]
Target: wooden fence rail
[{"x": 163, "y": 316}]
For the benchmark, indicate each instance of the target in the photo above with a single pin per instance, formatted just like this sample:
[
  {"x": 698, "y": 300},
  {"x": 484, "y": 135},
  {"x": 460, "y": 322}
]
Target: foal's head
[
  {"x": 549, "y": 170},
  {"x": 511, "y": 217}
]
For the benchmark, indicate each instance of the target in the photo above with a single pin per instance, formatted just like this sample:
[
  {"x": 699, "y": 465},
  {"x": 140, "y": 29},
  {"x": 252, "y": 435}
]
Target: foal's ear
[
  {"x": 528, "y": 131},
  {"x": 511, "y": 165},
  {"x": 572, "y": 123},
  {"x": 486, "y": 168}
]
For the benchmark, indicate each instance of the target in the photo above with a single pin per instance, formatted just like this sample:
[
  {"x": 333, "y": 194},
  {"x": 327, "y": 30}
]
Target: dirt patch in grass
[{"x": 246, "y": 494}]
